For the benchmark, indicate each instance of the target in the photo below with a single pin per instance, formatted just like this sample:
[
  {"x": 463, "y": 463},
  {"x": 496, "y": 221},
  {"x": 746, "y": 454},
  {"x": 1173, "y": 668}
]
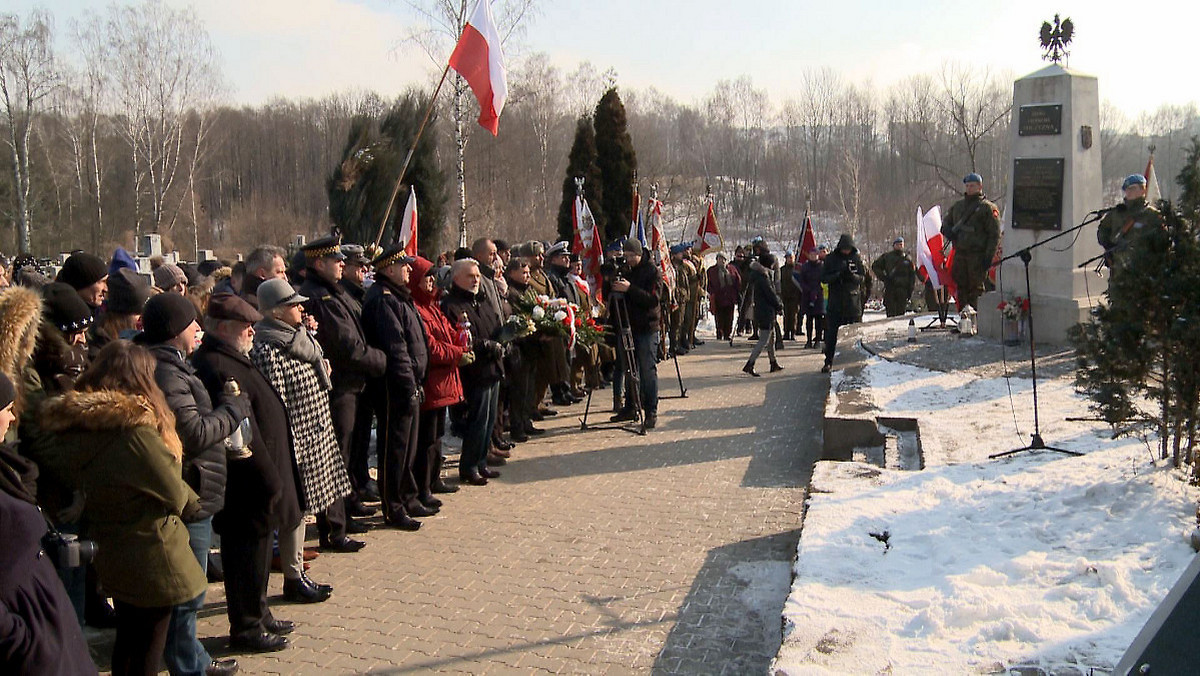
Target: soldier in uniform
[
  {"x": 790, "y": 293},
  {"x": 697, "y": 292},
  {"x": 683, "y": 289},
  {"x": 353, "y": 279},
  {"x": 1131, "y": 219},
  {"x": 972, "y": 224},
  {"x": 352, "y": 361},
  {"x": 898, "y": 274}
]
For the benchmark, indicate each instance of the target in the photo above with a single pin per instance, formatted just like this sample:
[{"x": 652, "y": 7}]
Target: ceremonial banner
[
  {"x": 708, "y": 235},
  {"x": 480, "y": 60},
  {"x": 586, "y": 243},
  {"x": 637, "y": 229},
  {"x": 931, "y": 263},
  {"x": 808, "y": 240},
  {"x": 658, "y": 244},
  {"x": 1153, "y": 194},
  {"x": 408, "y": 227}
]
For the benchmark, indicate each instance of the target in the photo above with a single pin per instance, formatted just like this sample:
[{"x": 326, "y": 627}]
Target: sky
[{"x": 1142, "y": 52}]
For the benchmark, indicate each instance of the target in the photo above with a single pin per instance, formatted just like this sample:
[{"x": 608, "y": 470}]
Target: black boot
[
  {"x": 749, "y": 368},
  {"x": 775, "y": 367}
]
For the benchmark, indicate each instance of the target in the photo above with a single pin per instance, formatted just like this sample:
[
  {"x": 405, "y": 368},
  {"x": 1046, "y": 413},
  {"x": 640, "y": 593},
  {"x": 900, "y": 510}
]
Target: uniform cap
[
  {"x": 678, "y": 248},
  {"x": 391, "y": 255},
  {"x": 1133, "y": 179},
  {"x": 973, "y": 178},
  {"x": 558, "y": 248},
  {"x": 355, "y": 255},
  {"x": 326, "y": 247}
]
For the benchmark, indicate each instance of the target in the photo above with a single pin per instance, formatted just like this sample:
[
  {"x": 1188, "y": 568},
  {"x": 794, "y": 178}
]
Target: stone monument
[{"x": 1054, "y": 184}]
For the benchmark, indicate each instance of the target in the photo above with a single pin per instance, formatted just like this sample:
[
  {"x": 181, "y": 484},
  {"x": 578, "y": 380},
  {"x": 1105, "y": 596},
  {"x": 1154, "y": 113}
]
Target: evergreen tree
[
  {"x": 581, "y": 162},
  {"x": 1189, "y": 180},
  {"x": 362, "y": 183},
  {"x": 1136, "y": 358},
  {"x": 617, "y": 162}
]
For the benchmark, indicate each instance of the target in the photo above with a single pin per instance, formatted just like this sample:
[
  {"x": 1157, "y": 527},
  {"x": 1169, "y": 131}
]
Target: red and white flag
[
  {"x": 408, "y": 226},
  {"x": 808, "y": 239},
  {"x": 586, "y": 243},
  {"x": 708, "y": 235},
  {"x": 658, "y": 243},
  {"x": 480, "y": 60},
  {"x": 931, "y": 263}
]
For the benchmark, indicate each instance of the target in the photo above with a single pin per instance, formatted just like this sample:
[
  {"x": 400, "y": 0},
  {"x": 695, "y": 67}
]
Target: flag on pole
[
  {"x": 931, "y": 264},
  {"x": 479, "y": 58},
  {"x": 1153, "y": 194},
  {"x": 708, "y": 235},
  {"x": 585, "y": 241},
  {"x": 408, "y": 226},
  {"x": 808, "y": 239},
  {"x": 637, "y": 229},
  {"x": 658, "y": 243}
]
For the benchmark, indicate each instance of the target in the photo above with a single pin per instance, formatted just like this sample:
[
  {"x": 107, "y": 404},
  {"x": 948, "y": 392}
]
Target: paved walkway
[{"x": 596, "y": 552}]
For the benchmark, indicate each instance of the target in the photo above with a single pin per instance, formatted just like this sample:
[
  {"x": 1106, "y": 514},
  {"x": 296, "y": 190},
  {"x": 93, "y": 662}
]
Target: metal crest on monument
[{"x": 1055, "y": 39}]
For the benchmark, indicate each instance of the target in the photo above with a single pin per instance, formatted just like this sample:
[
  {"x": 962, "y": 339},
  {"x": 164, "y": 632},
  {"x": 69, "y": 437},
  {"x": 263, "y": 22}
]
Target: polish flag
[
  {"x": 931, "y": 264},
  {"x": 586, "y": 243},
  {"x": 1153, "y": 193},
  {"x": 408, "y": 227},
  {"x": 479, "y": 59},
  {"x": 658, "y": 244}
]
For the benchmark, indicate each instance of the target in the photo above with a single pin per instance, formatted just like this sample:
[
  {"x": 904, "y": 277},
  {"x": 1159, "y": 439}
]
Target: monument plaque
[
  {"x": 1037, "y": 194},
  {"x": 1040, "y": 120}
]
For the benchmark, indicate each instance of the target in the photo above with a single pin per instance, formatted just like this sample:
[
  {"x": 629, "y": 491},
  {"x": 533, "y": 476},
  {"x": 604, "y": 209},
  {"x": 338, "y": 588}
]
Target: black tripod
[
  {"x": 633, "y": 379},
  {"x": 1036, "y": 443},
  {"x": 665, "y": 311},
  {"x": 943, "y": 309}
]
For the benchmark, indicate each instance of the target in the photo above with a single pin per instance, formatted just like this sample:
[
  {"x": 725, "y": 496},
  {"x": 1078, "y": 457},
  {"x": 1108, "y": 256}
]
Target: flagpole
[{"x": 408, "y": 158}]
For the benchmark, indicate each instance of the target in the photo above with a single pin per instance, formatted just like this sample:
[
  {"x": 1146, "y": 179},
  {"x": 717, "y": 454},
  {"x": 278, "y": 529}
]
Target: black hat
[
  {"x": 8, "y": 393},
  {"x": 82, "y": 270},
  {"x": 355, "y": 255},
  {"x": 766, "y": 260},
  {"x": 65, "y": 309},
  {"x": 206, "y": 268},
  {"x": 229, "y": 306},
  {"x": 127, "y": 292},
  {"x": 191, "y": 275},
  {"x": 390, "y": 255},
  {"x": 326, "y": 247},
  {"x": 166, "y": 316}
]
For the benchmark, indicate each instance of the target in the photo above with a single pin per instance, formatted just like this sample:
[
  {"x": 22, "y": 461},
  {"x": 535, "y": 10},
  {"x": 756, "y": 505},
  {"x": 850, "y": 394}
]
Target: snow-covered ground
[{"x": 977, "y": 566}]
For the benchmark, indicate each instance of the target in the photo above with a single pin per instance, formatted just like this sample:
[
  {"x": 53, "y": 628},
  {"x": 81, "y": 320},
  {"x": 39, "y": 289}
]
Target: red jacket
[{"x": 443, "y": 387}]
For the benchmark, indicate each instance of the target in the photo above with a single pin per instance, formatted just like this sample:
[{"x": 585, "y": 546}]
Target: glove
[
  {"x": 491, "y": 349},
  {"x": 466, "y": 359}
]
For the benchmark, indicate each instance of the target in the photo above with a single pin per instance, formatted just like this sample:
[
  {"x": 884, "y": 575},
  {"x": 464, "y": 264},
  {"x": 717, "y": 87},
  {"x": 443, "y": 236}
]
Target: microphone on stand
[{"x": 1101, "y": 212}]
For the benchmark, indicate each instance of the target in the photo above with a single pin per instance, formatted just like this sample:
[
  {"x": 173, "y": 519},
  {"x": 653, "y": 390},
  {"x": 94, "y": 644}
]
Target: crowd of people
[{"x": 152, "y": 419}]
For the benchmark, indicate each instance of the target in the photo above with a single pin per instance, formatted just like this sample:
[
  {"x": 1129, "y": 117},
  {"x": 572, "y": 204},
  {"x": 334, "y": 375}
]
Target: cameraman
[
  {"x": 638, "y": 285},
  {"x": 843, "y": 272}
]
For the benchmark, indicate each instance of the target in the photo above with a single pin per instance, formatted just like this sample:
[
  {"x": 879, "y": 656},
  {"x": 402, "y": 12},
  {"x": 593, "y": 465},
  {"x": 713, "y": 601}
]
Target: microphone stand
[{"x": 1036, "y": 443}]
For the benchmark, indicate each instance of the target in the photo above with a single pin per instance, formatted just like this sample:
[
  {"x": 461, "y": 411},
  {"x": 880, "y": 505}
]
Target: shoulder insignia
[
  {"x": 386, "y": 292},
  {"x": 327, "y": 297}
]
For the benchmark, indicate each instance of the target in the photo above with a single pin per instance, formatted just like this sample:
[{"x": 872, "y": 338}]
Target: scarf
[{"x": 295, "y": 343}]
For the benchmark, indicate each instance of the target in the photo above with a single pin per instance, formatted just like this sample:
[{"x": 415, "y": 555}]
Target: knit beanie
[
  {"x": 127, "y": 292},
  {"x": 82, "y": 270},
  {"x": 168, "y": 275},
  {"x": 166, "y": 316},
  {"x": 65, "y": 309}
]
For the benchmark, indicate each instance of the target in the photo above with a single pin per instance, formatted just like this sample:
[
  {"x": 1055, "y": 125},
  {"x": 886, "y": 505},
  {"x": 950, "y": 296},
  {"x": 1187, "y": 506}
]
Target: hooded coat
[
  {"x": 20, "y": 317},
  {"x": 443, "y": 386},
  {"x": 39, "y": 633},
  {"x": 844, "y": 273},
  {"x": 766, "y": 302},
  {"x": 108, "y": 445}
]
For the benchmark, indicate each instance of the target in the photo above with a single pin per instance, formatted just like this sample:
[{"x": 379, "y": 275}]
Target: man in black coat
[
  {"x": 640, "y": 291},
  {"x": 392, "y": 325},
  {"x": 353, "y": 362},
  {"x": 843, "y": 272},
  {"x": 352, "y": 282},
  {"x": 169, "y": 330},
  {"x": 767, "y": 306},
  {"x": 260, "y": 494},
  {"x": 481, "y": 379}
]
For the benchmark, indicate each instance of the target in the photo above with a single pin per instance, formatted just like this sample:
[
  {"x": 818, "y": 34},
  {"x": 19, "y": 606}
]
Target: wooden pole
[{"x": 408, "y": 158}]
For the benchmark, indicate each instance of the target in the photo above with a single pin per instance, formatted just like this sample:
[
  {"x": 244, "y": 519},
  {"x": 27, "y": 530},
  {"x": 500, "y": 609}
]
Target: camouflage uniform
[
  {"x": 973, "y": 225},
  {"x": 683, "y": 289},
  {"x": 898, "y": 274},
  {"x": 1120, "y": 227}
]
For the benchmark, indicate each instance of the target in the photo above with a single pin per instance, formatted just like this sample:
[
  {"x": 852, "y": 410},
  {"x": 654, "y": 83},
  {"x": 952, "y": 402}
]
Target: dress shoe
[
  {"x": 473, "y": 478},
  {"x": 358, "y": 509},
  {"x": 749, "y": 368},
  {"x": 519, "y": 436},
  {"x": 370, "y": 492},
  {"x": 537, "y": 416},
  {"x": 578, "y": 394},
  {"x": 431, "y": 502},
  {"x": 279, "y": 627},
  {"x": 439, "y": 486},
  {"x": 533, "y": 431},
  {"x": 489, "y": 473},
  {"x": 496, "y": 460},
  {"x": 356, "y": 527},
  {"x": 224, "y": 667},
  {"x": 651, "y": 421},
  {"x": 624, "y": 416},
  {"x": 502, "y": 452},
  {"x": 345, "y": 545},
  {"x": 303, "y": 590},
  {"x": 548, "y": 412},
  {"x": 775, "y": 367},
  {"x": 263, "y": 643},
  {"x": 419, "y": 510},
  {"x": 826, "y": 368},
  {"x": 403, "y": 522},
  {"x": 327, "y": 588},
  {"x": 561, "y": 400},
  {"x": 502, "y": 444}
]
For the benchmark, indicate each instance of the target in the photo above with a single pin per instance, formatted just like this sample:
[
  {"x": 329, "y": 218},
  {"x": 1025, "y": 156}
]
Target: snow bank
[{"x": 977, "y": 566}]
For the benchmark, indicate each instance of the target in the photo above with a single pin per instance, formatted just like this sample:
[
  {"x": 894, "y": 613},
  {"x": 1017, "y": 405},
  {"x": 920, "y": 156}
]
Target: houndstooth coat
[{"x": 306, "y": 398}]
